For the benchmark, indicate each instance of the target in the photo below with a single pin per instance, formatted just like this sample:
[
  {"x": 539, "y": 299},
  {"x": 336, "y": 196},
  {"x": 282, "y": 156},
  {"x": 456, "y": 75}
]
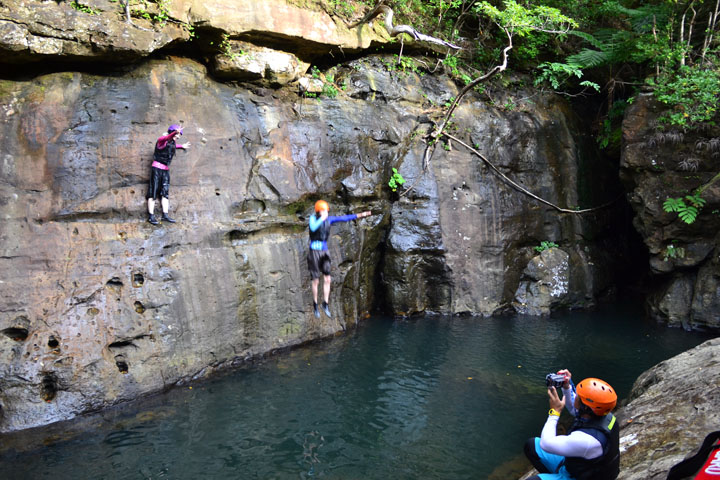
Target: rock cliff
[
  {"x": 685, "y": 392},
  {"x": 657, "y": 164},
  {"x": 97, "y": 306}
]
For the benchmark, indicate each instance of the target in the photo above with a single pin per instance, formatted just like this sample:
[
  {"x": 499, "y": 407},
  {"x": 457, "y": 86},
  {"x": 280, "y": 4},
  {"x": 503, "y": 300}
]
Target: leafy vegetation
[
  {"x": 396, "y": 180},
  {"x": 608, "y": 48},
  {"x": 687, "y": 208},
  {"x": 545, "y": 245},
  {"x": 83, "y": 8},
  {"x": 671, "y": 251}
]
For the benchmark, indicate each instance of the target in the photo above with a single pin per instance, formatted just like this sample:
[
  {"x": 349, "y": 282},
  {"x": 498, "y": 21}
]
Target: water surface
[{"x": 430, "y": 398}]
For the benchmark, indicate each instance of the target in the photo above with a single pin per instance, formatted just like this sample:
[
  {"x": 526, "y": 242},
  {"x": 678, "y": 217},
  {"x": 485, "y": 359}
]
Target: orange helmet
[
  {"x": 598, "y": 395},
  {"x": 322, "y": 205}
]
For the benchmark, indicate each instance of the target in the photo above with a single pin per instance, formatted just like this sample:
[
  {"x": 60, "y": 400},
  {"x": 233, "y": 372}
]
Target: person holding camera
[
  {"x": 159, "y": 185},
  {"x": 591, "y": 448}
]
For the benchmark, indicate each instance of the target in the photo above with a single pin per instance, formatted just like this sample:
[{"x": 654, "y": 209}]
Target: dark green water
[{"x": 427, "y": 398}]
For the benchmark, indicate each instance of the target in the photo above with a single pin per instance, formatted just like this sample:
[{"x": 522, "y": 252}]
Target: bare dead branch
[{"x": 395, "y": 30}]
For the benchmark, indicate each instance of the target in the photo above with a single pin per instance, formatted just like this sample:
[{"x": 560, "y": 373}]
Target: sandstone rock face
[
  {"x": 671, "y": 408},
  {"x": 97, "y": 306},
  {"x": 97, "y": 30},
  {"x": 660, "y": 164}
]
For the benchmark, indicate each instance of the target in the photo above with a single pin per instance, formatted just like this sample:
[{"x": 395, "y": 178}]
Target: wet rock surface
[{"x": 661, "y": 163}]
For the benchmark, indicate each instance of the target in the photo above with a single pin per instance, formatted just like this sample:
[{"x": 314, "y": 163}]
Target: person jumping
[
  {"x": 318, "y": 256},
  {"x": 159, "y": 186}
]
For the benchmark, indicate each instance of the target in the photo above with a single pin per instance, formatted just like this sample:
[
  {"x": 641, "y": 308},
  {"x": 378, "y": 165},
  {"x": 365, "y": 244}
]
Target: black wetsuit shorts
[
  {"x": 159, "y": 183},
  {"x": 318, "y": 262}
]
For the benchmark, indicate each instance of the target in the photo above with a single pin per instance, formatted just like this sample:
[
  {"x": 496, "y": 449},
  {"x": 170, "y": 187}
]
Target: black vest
[
  {"x": 322, "y": 233},
  {"x": 166, "y": 154},
  {"x": 606, "y": 466}
]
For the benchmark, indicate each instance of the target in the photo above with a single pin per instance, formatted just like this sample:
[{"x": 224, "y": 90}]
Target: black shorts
[
  {"x": 159, "y": 183},
  {"x": 318, "y": 261}
]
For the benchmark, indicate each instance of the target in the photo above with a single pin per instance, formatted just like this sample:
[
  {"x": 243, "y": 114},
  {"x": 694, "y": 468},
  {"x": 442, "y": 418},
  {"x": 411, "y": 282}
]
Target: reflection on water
[{"x": 432, "y": 398}]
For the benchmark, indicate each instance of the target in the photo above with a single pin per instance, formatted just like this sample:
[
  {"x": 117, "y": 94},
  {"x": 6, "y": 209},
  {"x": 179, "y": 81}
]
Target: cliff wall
[
  {"x": 97, "y": 306},
  {"x": 660, "y": 163}
]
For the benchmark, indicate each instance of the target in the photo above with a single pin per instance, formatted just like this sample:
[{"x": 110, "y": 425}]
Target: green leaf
[
  {"x": 673, "y": 204},
  {"x": 688, "y": 215}
]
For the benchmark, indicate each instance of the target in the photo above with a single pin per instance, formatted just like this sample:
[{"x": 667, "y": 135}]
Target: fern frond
[
  {"x": 587, "y": 58},
  {"x": 587, "y": 37}
]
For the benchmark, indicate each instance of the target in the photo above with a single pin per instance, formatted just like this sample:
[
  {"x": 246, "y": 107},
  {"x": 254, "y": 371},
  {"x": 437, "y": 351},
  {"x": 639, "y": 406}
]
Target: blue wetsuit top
[{"x": 316, "y": 224}]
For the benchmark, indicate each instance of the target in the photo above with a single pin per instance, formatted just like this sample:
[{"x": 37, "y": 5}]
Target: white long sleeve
[{"x": 577, "y": 444}]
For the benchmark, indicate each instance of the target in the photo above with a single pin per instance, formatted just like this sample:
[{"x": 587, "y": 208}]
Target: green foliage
[
  {"x": 226, "y": 48},
  {"x": 545, "y": 245},
  {"x": 406, "y": 64},
  {"x": 530, "y": 25},
  {"x": 523, "y": 21},
  {"x": 330, "y": 90},
  {"x": 83, "y": 8},
  {"x": 143, "y": 9},
  {"x": 396, "y": 180},
  {"x": 451, "y": 63},
  {"x": 691, "y": 93},
  {"x": 687, "y": 211},
  {"x": 610, "y": 134},
  {"x": 343, "y": 6},
  {"x": 671, "y": 251},
  {"x": 556, "y": 74}
]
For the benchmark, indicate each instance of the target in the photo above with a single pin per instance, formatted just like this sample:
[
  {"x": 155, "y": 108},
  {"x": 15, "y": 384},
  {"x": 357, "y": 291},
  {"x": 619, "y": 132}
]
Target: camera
[{"x": 554, "y": 380}]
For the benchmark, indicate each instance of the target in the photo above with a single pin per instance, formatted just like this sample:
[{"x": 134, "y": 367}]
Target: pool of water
[{"x": 430, "y": 398}]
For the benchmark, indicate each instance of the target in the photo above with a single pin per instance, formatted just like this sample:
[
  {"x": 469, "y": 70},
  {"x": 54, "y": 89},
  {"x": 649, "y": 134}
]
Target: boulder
[
  {"x": 671, "y": 408},
  {"x": 546, "y": 286}
]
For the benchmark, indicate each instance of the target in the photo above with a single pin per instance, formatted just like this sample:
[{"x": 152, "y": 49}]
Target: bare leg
[
  {"x": 326, "y": 288},
  {"x": 315, "y": 283},
  {"x": 151, "y": 205},
  {"x": 165, "y": 205}
]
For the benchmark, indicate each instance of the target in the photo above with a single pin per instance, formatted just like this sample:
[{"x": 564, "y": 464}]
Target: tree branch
[
  {"x": 395, "y": 30},
  {"x": 522, "y": 189}
]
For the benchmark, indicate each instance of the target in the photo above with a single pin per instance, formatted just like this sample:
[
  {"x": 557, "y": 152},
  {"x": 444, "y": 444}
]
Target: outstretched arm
[{"x": 347, "y": 218}]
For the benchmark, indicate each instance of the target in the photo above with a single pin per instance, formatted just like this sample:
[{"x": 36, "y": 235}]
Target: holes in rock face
[
  {"x": 217, "y": 191},
  {"x": 115, "y": 282},
  {"x": 121, "y": 344},
  {"x": 92, "y": 311},
  {"x": 16, "y": 333},
  {"x": 121, "y": 363},
  {"x": 138, "y": 279},
  {"x": 49, "y": 387},
  {"x": 53, "y": 342},
  {"x": 139, "y": 307}
]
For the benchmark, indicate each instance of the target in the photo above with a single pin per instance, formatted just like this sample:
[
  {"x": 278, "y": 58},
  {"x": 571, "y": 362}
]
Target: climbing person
[
  {"x": 591, "y": 448},
  {"x": 160, "y": 172},
  {"x": 318, "y": 256}
]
